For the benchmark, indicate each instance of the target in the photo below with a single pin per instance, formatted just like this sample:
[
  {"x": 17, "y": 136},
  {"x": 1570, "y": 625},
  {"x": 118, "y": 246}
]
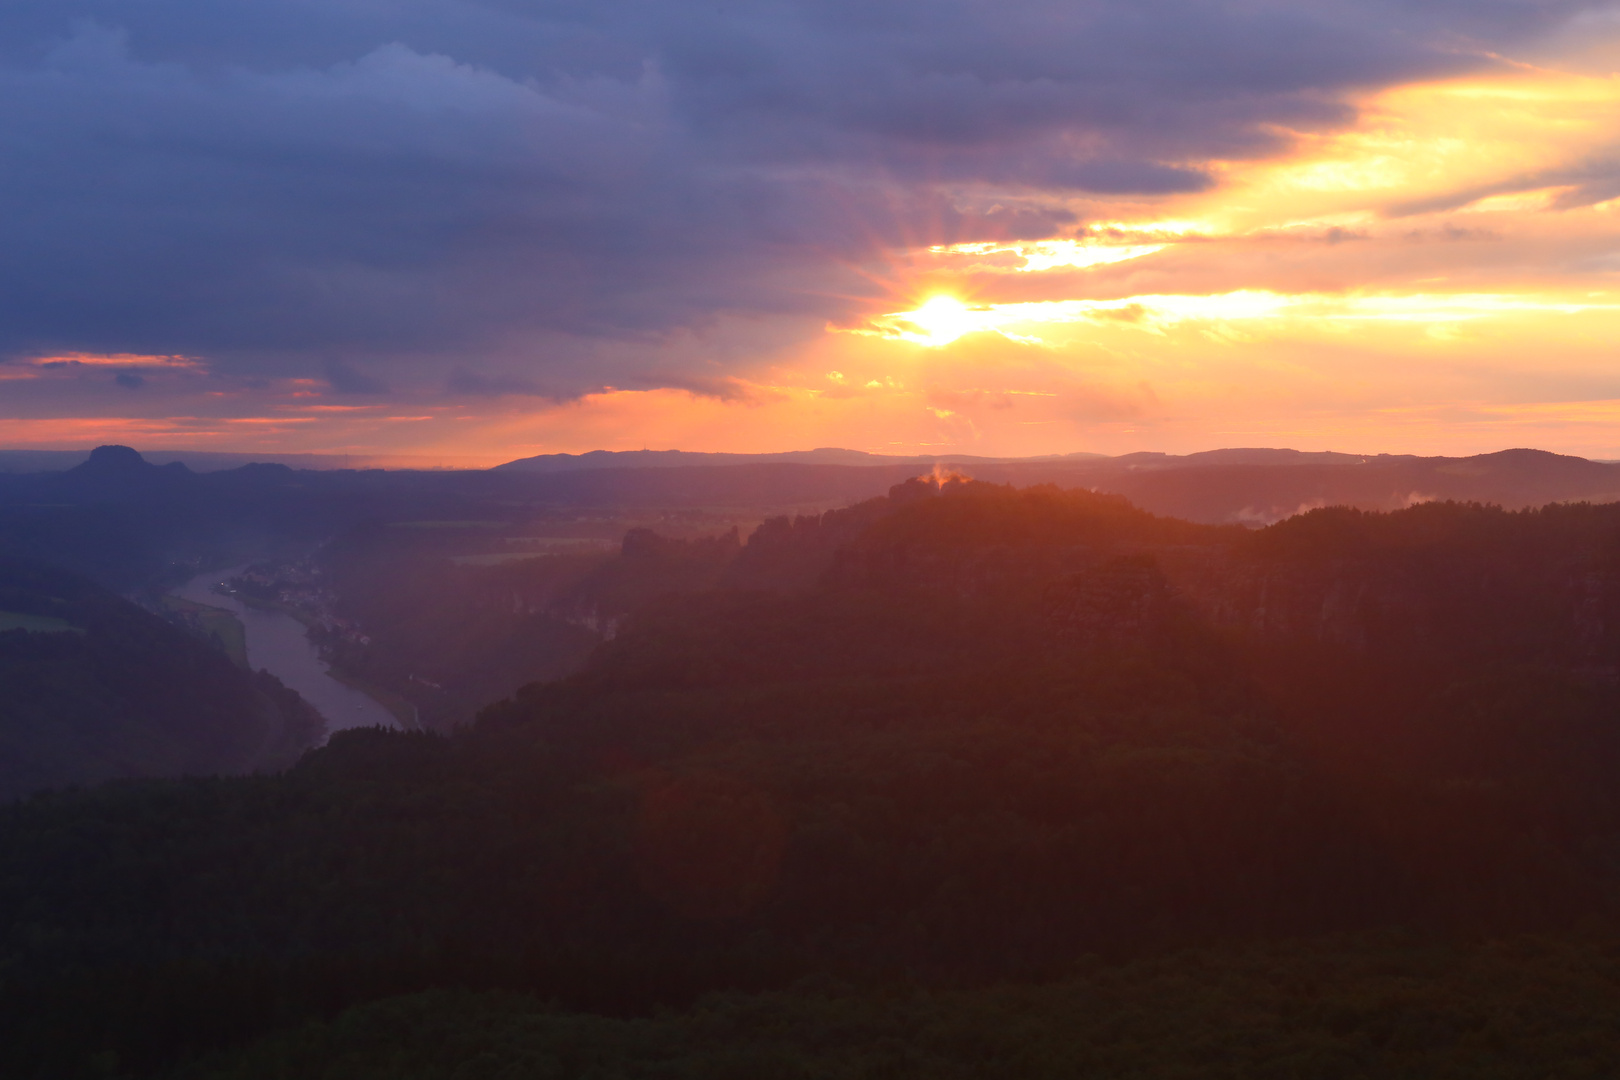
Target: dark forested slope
[
  {"x": 953, "y": 736},
  {"x": 92, "y": 687},
  {"x": 1383, "y": 1008}
]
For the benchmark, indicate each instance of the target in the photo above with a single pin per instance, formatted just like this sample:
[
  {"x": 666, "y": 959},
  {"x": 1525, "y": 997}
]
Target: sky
[{"x": 474, "y": 230}]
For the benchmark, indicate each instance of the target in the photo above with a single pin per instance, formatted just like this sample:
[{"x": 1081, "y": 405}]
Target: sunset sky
[{"x": 484, "y": 229}]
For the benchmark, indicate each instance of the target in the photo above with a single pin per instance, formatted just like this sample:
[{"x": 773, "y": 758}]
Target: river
[{"x": 277, "y": 643}]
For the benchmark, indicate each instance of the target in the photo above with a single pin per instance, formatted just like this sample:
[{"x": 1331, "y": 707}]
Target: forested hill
[
  {"x": 97, "y": 688},
  {"x": 131, "y": 524},
  {"x": 955, "y": 737}
]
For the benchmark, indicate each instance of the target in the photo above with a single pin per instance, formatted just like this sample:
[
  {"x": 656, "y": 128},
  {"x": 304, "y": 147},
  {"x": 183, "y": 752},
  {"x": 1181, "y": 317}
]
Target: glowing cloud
[
  {"x": 942, "y": 320},
  {"x": 1038, "y": 255},
  {"x": 939, "y": 321},
  {"x": 115, "y": 360},
  {"x": 1426, "y": 260}
]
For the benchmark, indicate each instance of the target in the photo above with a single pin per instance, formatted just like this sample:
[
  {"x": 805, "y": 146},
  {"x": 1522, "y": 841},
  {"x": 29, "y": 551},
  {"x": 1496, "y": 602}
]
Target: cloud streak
[
  {"x": 501, "y": 196},
  {"x": 496, "y": 228}
]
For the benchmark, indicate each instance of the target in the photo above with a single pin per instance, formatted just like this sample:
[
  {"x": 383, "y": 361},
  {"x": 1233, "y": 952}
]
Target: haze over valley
[
  {"x": 635, "y": 734},
  {"x": 984, "y": 541}
]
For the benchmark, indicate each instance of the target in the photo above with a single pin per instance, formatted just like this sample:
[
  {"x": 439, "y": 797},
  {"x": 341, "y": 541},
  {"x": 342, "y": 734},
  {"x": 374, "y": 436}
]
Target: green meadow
[
  {"x": 217, "y": 623},
  {"x": 38, "y": 624}
]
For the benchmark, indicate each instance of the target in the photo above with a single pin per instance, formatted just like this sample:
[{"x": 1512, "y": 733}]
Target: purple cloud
[{"x": 497, "y": 196}]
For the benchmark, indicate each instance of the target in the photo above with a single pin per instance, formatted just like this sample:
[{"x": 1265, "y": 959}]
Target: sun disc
[{"x": 943, "y": 318}]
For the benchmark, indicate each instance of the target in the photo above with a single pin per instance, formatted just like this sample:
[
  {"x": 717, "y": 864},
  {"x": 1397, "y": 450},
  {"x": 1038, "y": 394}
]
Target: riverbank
[
  {"x": 402, "y": 710},
  {"x": 216, "y": 622},
  {"x": 276, "y": 639},
  {"x": 397, "y": 705}
]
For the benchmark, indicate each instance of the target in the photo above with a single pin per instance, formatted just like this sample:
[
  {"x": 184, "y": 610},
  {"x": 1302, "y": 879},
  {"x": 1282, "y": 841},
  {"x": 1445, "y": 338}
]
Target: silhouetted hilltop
[
  {"x": 1252, "y": 486},
  {"x": 1240, "y": 486},
  {"x": 120, "y": 474},
  {"x": 110, "y": 460},
  {"x": 29, "y": 461},
  {"x": 130, "y": 524},
  {"x": 165, "y": 517},
  {"x": 402, "y": 588},
  {"x": 1437, "y": 584}
]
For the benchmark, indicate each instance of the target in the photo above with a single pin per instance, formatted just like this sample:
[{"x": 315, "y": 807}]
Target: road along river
[{"x": 277, "y": 643}]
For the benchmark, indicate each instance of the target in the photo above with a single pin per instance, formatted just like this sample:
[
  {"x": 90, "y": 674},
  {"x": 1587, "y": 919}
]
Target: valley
[{"x": 1026, "y": 754}]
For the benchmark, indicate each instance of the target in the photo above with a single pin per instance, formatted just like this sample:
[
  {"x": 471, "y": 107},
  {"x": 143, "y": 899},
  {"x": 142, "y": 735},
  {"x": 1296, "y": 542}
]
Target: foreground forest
[{"x": 1005, "y": 782}]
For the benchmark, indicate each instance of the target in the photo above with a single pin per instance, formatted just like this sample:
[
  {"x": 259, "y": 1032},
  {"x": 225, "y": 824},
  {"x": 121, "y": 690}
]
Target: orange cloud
[
  {"x": 116, "y": 360},
  {"x": 1425, "y": 279},
  {"x": 75, "y": 432}
]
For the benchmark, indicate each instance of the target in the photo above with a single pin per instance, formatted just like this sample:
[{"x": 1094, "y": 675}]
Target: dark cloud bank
[{"x": 498, "y": 195}]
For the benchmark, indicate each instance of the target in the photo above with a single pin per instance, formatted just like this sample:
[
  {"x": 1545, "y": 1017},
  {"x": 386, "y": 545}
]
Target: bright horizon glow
[
  {"x": 940, "y": 320},
  {"x": 1041, "y": 255},
  {"x": 1440, "y": 275}
]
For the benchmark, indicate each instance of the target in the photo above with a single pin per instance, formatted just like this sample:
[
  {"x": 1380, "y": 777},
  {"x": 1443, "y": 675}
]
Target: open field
[
  {"x": 275, "y": 605},
  {"x": 38, "y": 624},
  {"x": 217, "y": 623}
]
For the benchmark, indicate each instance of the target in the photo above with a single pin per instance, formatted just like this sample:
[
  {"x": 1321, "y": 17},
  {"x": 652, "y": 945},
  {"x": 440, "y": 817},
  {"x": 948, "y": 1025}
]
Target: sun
[{"x": 942, "y": 319}]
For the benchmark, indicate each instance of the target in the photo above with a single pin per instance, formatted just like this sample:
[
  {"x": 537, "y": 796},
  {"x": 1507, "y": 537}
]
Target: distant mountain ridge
[
  {"x": 35, "y": 461},
  {"x": 40, "y": 461},
  {"x": 1242, "y": 485},
  {"x": 128, "y": 522},
  {"x": 826, "y": 455}
]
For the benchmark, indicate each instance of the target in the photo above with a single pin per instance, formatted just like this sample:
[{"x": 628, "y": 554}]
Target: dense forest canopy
[{"x": 956, "y": 737}]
